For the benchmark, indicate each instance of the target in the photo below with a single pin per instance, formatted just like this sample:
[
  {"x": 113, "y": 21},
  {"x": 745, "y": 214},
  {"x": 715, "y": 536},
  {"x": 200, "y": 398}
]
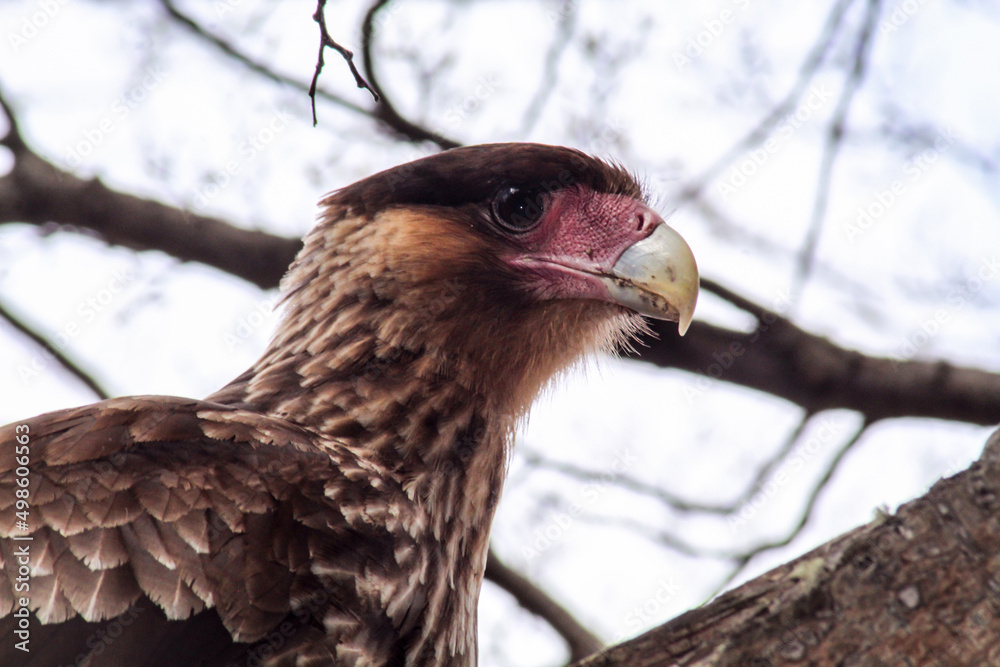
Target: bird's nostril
[{"x": 641, "y": 220}]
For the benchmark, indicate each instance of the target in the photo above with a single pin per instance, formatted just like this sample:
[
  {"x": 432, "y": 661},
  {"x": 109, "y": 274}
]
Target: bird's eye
[{"x": 518, "y": 209}]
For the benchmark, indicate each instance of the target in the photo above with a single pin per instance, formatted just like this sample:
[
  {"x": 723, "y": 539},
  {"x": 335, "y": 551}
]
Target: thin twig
[
  {"x": 831, "y": 148},
  {"x": 744, "y": 559},
  {"x": 386, "y": 111},
  {"x": 765, "y": 471},
  {"x": 761, "y": 131},
  {"x": 255, "y": 66},
  {"x": 567, "y": 22},
  {"x": 581, "y": 641},
  {"x": 637, "y": 486},
  {"x": 64, "y": 361},
  {"x": 325, "y": 40},
  {"x": 12, "y": 137}
]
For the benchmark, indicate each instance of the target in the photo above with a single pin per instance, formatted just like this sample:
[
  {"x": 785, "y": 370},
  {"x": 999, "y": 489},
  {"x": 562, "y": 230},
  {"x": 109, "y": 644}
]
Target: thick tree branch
[
  {"x": 581, "y": 642},
  {"x": 917, "y": 588},
  {"x": 37, "y": 192},
  {"x": 781, "y": 359}
]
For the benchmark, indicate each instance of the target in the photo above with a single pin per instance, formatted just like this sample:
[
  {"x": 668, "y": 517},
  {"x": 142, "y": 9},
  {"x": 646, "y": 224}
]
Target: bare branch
[
  {"x": 781, "y": 359},
  {"x": 325, "y": 40},
  {"x": 581, "y": 642},
  {"x": 637, "y": 486},
  {"x": 37, "y": 192},
  {"x": 386, "y": 111},
  {"x": 760, "y": 132},
  {"x": 807, "y": 511},
  {"x": 831, "y": 147},
  {"x": 12, "y": 137},
  {"x": 550, "y": 72},
  {"x": 254, "y": 65},
  {"x": 743, "y": 556},
  {"x": 54, "y": 352}
]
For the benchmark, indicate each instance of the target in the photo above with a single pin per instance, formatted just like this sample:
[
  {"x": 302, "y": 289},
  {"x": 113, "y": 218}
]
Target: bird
[{"x": 332, "y": 505}]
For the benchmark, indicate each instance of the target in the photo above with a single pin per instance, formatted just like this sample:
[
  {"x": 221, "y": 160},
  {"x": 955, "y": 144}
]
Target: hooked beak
[{"x": 656, "y": 276}]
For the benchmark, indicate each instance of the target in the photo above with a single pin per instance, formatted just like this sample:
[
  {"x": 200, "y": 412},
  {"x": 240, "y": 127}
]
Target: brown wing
[{"x": 168, "y": 531}]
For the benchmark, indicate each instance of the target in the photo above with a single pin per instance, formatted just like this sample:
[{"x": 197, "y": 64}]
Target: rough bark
[{"x": 920, "y": 587}]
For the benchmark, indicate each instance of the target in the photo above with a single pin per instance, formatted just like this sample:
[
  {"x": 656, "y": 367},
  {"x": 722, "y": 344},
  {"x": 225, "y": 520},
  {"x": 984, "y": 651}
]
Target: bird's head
[{"x": 506, "y": 261}]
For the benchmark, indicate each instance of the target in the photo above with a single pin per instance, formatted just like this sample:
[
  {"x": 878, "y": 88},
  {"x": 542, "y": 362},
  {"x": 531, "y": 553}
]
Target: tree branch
[
  {"x": 325, "y": 40},
  {"x": 581, "y": 642},
  {"x": 874, "y": 596},
  {"x": 831, "y": 148},
  {"x": 386, "y": 111},
  {"x": 53, "y": 351},
  {"x": 781, "y": 359},
  {"x": 37, "y": 192}
]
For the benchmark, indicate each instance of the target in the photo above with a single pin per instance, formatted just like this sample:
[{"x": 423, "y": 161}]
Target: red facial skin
[{"x": 580, "y": 236}]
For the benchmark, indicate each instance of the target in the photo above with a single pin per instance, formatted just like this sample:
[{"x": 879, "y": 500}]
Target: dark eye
[{"x": 518, "y": 209}]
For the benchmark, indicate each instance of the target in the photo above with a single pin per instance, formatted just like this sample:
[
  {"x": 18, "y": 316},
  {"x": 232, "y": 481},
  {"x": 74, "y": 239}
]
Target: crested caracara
[{"x": 332, "y": 504}]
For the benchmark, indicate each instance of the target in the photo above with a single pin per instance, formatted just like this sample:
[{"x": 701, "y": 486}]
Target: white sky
[{"x": 189, "y": 112}]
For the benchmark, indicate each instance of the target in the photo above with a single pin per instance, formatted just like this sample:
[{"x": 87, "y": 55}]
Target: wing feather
[
  {"x": 48, "y": 601},
  {"x": 98, "y": 548},
  {"x": 95, "y": 594},
  {"x": 192, "y": 506}
]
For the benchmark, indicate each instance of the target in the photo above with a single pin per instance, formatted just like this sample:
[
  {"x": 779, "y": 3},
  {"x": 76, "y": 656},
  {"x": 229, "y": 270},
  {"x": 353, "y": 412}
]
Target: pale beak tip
[{"x": 684, "y": 322}]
